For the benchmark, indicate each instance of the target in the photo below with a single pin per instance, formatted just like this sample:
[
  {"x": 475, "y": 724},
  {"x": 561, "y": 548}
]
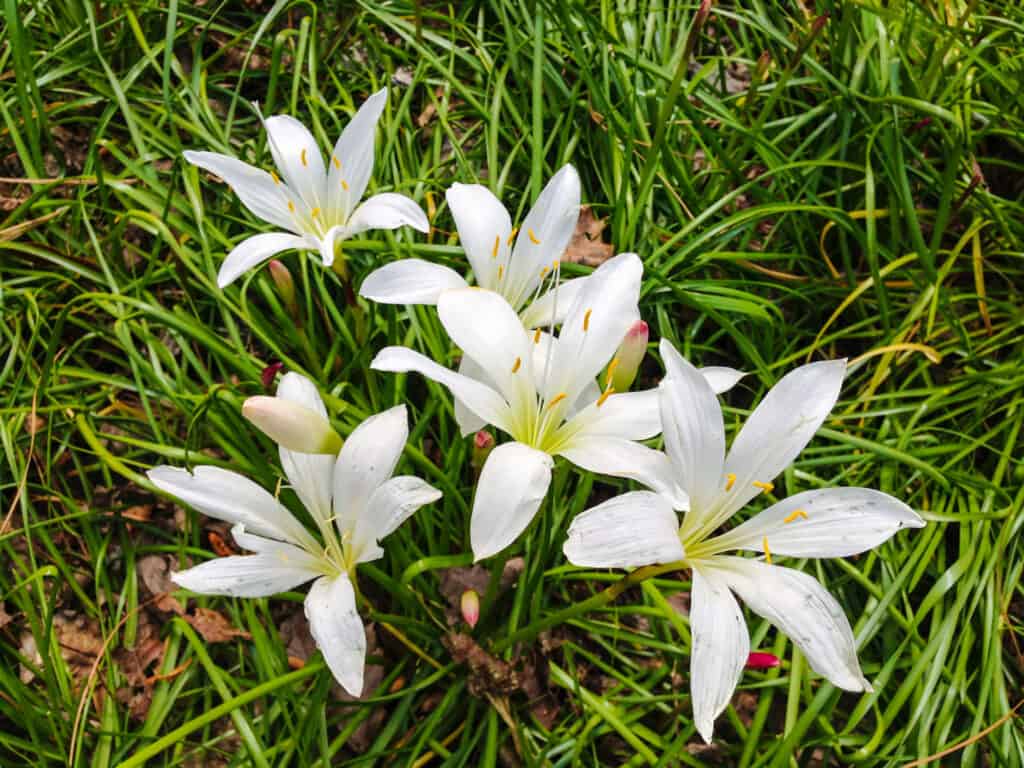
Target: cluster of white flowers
[{"x": 550, "y": 363}]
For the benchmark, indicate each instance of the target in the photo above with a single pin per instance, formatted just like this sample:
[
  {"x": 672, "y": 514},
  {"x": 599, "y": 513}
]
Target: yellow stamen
[
  {"x": 512, "y": 237},
  {"x": 605, "y": 395},
  {"x": 536, "y": 336},
  {"x": 275, "y": 177},
  {"x": 767, "y": 552},
  {"x": 544, "y": 272},
  {"x": 315, "y": 212},
  {"x": 611, "y": 371},
  {"x": 501, "y": 271},
  {"x": 796, "y": 513},
  {"x": 730, "y": 481},
  {"x": 494, "y": 250},
  {"x": 291, "y": 206},
  {"x": 344, "y": 185},
  {"x": 586, "y": 320},
  {"x": 766, "y": 487},
  {"x": 533, "y": 237},
  {"x": 516, "y": 364},
  {"x": 554, "y": 264},
  {"x": 557, "y": 399},
  {"x": 302, "y": 157},
  {"x": 336, "y": 161}
]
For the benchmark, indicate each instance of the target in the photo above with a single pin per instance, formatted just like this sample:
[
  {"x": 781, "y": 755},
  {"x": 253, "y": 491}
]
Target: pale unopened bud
[
  {"x": 470, "y": 605},
  {"x": 291, "y": 425},
  {"x": 623, "y": 368},
  {"x": 759, "y": 660},
  {"x": 285, "y": 286},
  {"x": 483, "y": 444}
]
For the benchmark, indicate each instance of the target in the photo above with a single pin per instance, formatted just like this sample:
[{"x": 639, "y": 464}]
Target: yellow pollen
[
  {"x": 315, "y": 212},
  {"x": 302, "y": 157},
  {"x": 605, "y": 395},
  {"x": 766, "y": 487},
  {"x": 516, "y": 364},
  {"x": 533, "y": 237},
  {"x": 557, "y": 399},
  {"x": 796, "y": 513},
  {"x": 544, "y": 272},
  {"x": 586, "y": 320},
  {"x": 494, "y": 250},
  {"x": 275, "y": 177},
  {"x": 501, "y": 271},
  {"x": 512, "y": 237},
  {"x": 337, "y": 162},
  {"x": 554, "y": 264},
  {"x": 611, "y": 370},
  {"x": 291, "y": 206},
  {"x": 767, "y": 552},
  {"x": 536, "y": 336},
  {"x": 730, "y": 481},
  {"x": 344, "y": 185}
]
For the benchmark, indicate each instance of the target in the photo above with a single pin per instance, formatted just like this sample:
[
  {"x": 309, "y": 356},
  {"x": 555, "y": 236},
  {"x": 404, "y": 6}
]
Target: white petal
[
  {"x": 254, "y": 251},
  {"x": 623, "y": 458},
  {"x": 410, "y": 281},
  {"x": 329, "y": 243},
  {"x": 551, "y": 308},
  {"x": 310, "y": 474},
  {"x": 368, "y": 458},
  {"x": 721, "y": 378},
  {"x": 391, "y": 504},
  {"x": 780, "y": 427},
  {"x": 337, "y": 630},
  {"x": 352, "y": 159},
  {"x": 484, "y": 401},
  {"x": 250, "y": 575},
  {"x": 469, "y": 422},
  {"x": 836, "y": 522},
  {"x": 544, "y": 234},
  {"x": 512, "y": 485},
  {"x": 593, "y": 329},
  {"x": 804, "y": 610},
  {"x": 484, "y": 228},
  {"x": 255, "y": 187},
  {"x": 387, "y": 210},
  {"x": 298, "y": 158},
  {"x": 484, "y": 325},
  {"x": 228, "y": 496},
  {"x": 627, "y": 531},
  {"x": 630, "y": 415},
  {"x": 721, "y": 645},
  {"x": 694, "y": 434}
]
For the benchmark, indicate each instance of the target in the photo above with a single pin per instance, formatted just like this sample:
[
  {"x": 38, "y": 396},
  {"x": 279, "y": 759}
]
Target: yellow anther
[
  {"x": 605, "y": 395},
  {"x": 516, "y": 364},
  {"x": 586, "y": 320},
  {"x": 730, "y": 481},
  {"x": 796, "y": 513},
  {"x": 501, "y": 271},
  {"x": 315, "y": 212},
  {"x": 766, "y": 487},
  {"x": 302, "y": 157},
  {"x": 275, "y": 177},
  {"x": 544, "y": 272},
  {"x": 554, "y": 264},
  {"x": 512, "y": 236},
  {"x": 557, "y": 399},
  {"x": 536, "y": 336},
  {"x": 767, "y": 552},
  {"x": 344, "y": 185},
  {"x": 533, "y": 237},
  {"x": 611, "y": 371},
  {"x": 494, "y": 250},
  {"x": 291, "y": 206},
  {"x": 336, "y": 161}
]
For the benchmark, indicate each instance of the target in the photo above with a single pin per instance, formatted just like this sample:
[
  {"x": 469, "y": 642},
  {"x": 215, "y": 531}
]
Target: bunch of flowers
[{"x": 549, "y": 363}]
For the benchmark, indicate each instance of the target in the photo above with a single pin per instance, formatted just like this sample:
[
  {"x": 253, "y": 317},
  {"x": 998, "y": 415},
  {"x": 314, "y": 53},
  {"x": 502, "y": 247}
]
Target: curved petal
[
  {"x": 551, "y": 308},
  {"x": 387, "y": 210},
  {"x": 623, "y": 458},
  {"x": 544, "y": 234},
  {"x": 467, "y": 420},
  {"x": 309, "y": 474},
  {"x": 484, "y": 228},
  {"x": 801, "y": 608},
  {"x": 337, "y": 630},
  {"x": 721, "y": 644},
  {"x": 630, "y": 415},
  {"x": 512, "y": 485},
  {"x": 694, "y": 434},
  {"x": 260, "y": 575},
  {"x": 780, "y": 427},
  {"x": 831, "y": 522},
  {"x": 394, "y": 502},
  {"x": 255, "y": 187},
  {"x": 352, "y": 159},
  {"x": 486, "y": 328},
  {"x": 254, "y": 251},
  {"x": 228, "y": 496},
  {"x": 721, "y": 378},
  {"x": 484, "y": 401},
  {"x": 593, "y": 329},
  {"x": 627, "y": 531},
  {"x": 368, "y": 458},
  {"x": 409, "y": 281},
  {"x": 329, "y": 242},
  {"x": 298, "y": 158}
]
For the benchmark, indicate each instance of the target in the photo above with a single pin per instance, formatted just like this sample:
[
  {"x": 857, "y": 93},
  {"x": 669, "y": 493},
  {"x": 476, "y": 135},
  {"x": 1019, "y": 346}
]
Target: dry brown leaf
[
  {"x": 155, "y": 571},
  {"x": 487, "y": 674},
  {"x": 455, "y": 581},
  {"x": 586, "y": 245},
  {"x": 5, "y": 617},
  {"x": 214, "y": 627}
]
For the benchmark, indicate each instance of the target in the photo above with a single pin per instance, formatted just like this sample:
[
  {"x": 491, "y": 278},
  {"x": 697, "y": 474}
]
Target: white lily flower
[
  {"x": 317, "y": 204},
  {"x": 640, "y": 529},
  {"x": 544, "y": 394},
  {"x": 352, "y": 498}
]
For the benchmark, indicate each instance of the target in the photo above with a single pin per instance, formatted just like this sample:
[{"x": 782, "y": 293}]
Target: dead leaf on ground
[
  {"x": 455, "y": 581},
  {"x": 487, "y": 674},
  {"x": 586, "y": 245},
  {"x": 155, "y": 572},
  {"x": 5, "y": 617},
  {"x": 214, "y": 627}
]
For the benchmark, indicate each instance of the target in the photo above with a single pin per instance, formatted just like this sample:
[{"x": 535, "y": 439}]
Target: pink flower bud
[
  {"x": 470, "y": 605},
  {"x": 483, "y": 444},
  {"x": 758, "y": 660},
  {"x": 291, "y": 425},
  {"x": 623, "y": 368},
  {"x": 283, "y": 280}
]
